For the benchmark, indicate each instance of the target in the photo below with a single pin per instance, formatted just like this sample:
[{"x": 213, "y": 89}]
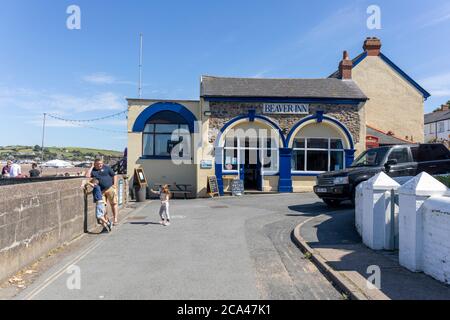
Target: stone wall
[
  {"x": 38, "y": 217},
  {"x": 222, "y": 112}
]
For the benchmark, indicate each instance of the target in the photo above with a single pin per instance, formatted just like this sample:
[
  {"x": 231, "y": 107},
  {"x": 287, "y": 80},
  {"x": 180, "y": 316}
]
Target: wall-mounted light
[{"x": 207, "y": 113}]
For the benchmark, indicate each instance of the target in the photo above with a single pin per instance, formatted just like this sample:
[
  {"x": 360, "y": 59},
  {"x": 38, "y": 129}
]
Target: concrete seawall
[{"x": 38, "y": 217}]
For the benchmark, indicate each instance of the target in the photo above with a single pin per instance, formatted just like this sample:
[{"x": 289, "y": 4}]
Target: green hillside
[{"x": 63, "y": 153}]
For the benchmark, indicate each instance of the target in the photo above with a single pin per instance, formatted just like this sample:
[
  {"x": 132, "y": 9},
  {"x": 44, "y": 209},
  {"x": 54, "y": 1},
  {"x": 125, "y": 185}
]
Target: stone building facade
[{"x": 223, "y": 112}]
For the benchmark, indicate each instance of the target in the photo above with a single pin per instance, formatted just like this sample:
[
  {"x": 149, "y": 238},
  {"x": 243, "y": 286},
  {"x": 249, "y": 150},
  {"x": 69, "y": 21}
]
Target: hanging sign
[{"x": 286, "y": 108}]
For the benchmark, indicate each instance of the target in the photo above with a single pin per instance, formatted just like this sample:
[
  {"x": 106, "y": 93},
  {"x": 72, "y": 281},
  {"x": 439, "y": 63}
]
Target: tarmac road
[{"x": 222, "y": 248}]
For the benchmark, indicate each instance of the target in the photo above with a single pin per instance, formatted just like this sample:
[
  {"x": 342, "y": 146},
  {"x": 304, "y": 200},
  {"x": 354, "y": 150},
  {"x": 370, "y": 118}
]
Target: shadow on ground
[{"x": 315, "y": 209}]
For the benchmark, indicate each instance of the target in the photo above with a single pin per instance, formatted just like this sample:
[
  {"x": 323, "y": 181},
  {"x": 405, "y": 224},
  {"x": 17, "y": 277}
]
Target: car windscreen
[{"x": 371, "y": 158}]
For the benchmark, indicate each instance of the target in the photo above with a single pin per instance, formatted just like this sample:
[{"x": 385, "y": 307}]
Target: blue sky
[{"x": 82, "y": 74}]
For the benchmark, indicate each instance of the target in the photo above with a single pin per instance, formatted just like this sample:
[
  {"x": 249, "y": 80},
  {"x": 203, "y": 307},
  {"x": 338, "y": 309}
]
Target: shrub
[{"x": 444, "y": 179}]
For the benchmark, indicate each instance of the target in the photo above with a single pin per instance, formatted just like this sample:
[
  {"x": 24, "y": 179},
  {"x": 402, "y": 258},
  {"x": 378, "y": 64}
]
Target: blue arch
[
  {"x": 252, "y": 116},
  {"x": 155, "y": 108},
  {"x": 320, "y": 117}
]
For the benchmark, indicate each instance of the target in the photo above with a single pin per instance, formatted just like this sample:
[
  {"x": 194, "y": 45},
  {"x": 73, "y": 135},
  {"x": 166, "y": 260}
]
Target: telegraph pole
[{"x": 43, "y": 138}]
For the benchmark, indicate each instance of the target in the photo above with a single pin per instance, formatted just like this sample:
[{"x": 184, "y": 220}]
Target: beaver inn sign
[{"x": 276, "y": 134}]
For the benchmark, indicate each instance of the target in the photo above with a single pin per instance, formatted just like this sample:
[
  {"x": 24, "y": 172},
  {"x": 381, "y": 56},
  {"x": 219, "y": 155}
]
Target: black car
[{"x": 395, "y": 161}]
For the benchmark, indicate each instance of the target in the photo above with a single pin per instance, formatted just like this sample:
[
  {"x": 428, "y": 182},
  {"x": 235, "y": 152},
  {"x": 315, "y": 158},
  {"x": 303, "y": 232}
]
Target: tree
[{"x": 37, "y": 148}]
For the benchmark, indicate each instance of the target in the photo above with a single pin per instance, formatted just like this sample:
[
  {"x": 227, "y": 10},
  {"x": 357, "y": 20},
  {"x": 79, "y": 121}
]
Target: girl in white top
[{"x": 164, "y": 196}]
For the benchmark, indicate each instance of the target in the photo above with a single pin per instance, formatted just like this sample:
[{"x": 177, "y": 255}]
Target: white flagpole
[
  {"x": 140, "y": 67},
  {"x": 43, "y": 138}
]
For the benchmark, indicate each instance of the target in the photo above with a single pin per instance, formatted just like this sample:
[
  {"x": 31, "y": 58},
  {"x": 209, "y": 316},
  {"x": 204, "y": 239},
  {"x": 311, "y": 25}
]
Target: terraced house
[
  {"x": 315, "y": 125},
  {"x": 437, "y": 125}
]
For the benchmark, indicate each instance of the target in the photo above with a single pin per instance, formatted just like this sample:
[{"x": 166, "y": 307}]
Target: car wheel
[{"x": 332, "y": 203}]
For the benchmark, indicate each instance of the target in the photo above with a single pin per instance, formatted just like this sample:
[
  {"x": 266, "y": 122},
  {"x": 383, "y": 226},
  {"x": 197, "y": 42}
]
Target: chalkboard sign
[
  {"x": 139, "y": 178},
  {"x": 213, "y": 187},
  {"x": 237, "y": 187}
]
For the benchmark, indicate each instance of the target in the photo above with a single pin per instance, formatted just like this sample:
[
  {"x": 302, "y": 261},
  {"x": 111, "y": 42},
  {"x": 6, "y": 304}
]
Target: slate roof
[
  {"x": 280, "y": 88},
  {"x": 385, "y": 139},
  {"x": 437, "y": 116}
]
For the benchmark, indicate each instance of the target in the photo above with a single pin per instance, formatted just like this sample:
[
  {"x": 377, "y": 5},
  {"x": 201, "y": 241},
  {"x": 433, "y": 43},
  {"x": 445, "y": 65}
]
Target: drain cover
[{"x": 219, "y": 207}]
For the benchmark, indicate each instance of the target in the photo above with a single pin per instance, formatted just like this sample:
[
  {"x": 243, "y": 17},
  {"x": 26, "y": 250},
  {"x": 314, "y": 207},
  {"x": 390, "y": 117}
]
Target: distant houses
[{"x": 437, "y": 125}]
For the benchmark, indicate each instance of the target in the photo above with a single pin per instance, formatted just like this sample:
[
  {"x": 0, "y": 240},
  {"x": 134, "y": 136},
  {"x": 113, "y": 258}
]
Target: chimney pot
[
  {"x": 345, "y": 55},
  {"x": 372, "y": 46},
  {"x": 345, "y": 67}
]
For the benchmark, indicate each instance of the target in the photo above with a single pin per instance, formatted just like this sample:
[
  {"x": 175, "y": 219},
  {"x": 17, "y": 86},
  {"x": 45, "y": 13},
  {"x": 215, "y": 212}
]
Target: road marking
[
  {"x": 178, "y": 217},
  {"x": 62, "y": 270},
  {"x": 76, "y": 259}
]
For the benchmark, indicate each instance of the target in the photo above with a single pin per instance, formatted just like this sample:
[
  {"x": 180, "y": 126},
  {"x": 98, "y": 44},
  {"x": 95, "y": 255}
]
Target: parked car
[
  {"x": 395, "y": 161},
  {"x": 84, "y": 165}
]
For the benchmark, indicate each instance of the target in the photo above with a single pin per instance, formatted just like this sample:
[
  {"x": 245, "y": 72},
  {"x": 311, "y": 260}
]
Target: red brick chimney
[
  {"x": 372, "y": 46},
  {"x": 345, "y": 67}
]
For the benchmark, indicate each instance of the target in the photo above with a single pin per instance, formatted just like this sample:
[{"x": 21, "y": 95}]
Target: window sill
[
  {"x": 230, "y": 172},
  {"x": 155, "y": 158},
  {"x": 270, "y": 173},
  {"x": 306, "y": 173}
]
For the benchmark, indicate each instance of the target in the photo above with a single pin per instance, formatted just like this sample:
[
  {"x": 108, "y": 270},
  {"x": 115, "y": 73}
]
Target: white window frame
[
  {"x": 432, "y": 127},
  {"x": 329, "y": 150},
  {"x": 441, "y": 126},
  {"x": 240, "y": 148}
]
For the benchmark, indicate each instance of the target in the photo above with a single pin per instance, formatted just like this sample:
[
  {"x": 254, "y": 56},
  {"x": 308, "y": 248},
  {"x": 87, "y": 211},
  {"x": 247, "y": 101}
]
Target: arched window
[
  {"x": 318, "y": 154},
  {"x": 162, "y": 133},
  {"x": 318, "y": 147}
]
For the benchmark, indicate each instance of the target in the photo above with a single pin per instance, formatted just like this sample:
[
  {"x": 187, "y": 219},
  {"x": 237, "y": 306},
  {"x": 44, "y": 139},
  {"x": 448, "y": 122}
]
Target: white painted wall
[
  {"x": 433, "y": 131},
  {"x": 376, "y": 212},
  {"x": 414, "y": 197},
  {"x": 423, "y": 222},
  {"x": 359, "y": 204},
  {"x": 436, "y": 234}
]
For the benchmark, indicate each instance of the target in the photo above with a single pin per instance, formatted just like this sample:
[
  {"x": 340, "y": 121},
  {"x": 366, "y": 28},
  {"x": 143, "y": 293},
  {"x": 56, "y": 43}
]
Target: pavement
[
  {"x": 222, "y": 248},
  {"x": 336, "y": 248}
]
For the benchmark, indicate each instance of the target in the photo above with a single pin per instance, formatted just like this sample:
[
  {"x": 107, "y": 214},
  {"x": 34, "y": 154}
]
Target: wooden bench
[
  {"x": 176, "y": 189},
  {"x": 184, "y": 193}
]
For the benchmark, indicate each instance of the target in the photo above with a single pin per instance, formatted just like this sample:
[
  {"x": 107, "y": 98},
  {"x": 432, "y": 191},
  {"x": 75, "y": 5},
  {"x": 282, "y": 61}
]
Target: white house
[{"x": 437, "y": 125}]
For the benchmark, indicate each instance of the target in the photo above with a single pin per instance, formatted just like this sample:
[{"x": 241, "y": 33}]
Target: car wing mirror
[{"x": 390, "y": 163}]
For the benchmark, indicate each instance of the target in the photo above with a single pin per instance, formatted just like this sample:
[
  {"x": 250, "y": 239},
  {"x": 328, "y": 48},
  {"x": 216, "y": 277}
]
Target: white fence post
[
  {"x": 376, "y": 211},
  {"x": 412, "y": 196}
]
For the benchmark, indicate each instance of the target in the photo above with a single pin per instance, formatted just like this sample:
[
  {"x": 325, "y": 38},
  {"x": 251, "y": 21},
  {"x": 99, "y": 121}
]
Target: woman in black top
[{"x": 34, "y": 172}]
